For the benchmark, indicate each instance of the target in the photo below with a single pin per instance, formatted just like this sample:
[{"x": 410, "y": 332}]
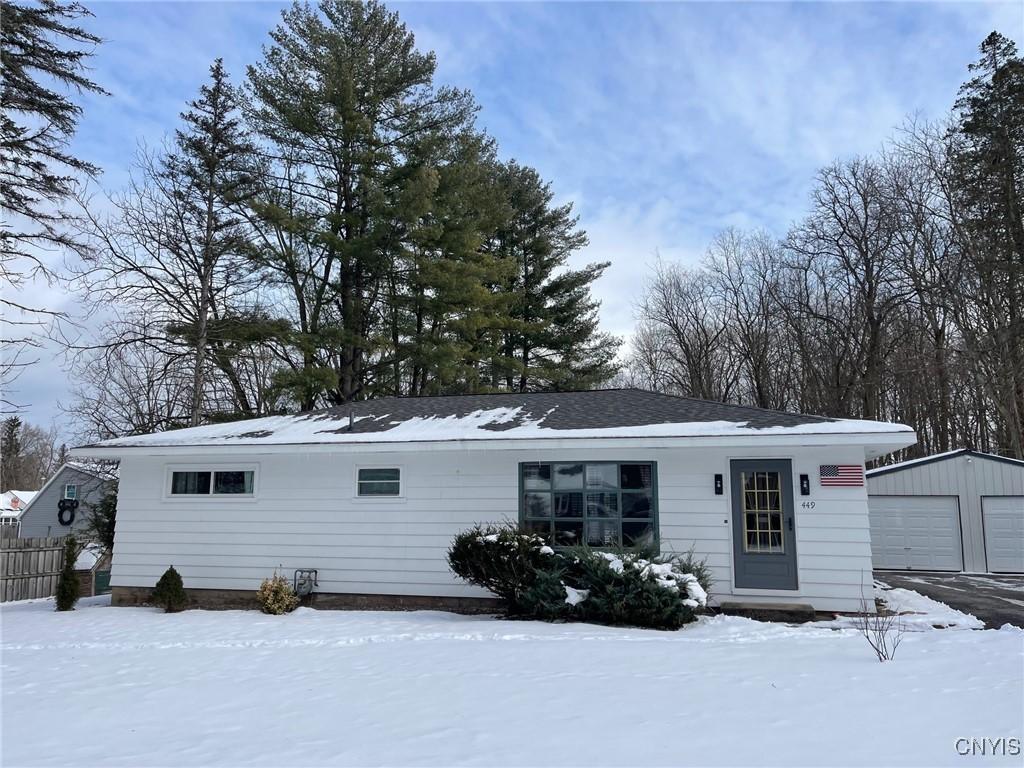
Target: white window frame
[
  {"x": 376, "y": 498},
  {"x": 71, "y": 485},
  {"x": 192, "y": 498}
]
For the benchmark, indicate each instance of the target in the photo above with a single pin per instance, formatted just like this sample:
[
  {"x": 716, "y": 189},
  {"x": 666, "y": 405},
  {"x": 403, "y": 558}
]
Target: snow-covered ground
[{"x": 132, "y": 686}]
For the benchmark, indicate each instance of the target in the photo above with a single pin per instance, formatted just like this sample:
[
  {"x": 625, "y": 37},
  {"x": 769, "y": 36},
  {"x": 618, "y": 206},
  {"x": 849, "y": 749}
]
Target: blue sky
[{"x": 664, "y": 122}]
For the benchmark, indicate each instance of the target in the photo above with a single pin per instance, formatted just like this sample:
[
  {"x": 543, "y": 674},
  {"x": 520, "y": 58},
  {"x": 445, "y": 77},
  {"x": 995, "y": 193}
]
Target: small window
[
  {"x": 380, "y": 482},
  {"x": 222, "y": 482},
  {"x": 70, "y": 491}
]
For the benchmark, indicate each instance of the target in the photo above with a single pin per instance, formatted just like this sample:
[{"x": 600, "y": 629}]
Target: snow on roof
[
  {"x": 88, "y": 557},
  {"x": 13, "y": 503},
  {"x": 595, "y": 414}
]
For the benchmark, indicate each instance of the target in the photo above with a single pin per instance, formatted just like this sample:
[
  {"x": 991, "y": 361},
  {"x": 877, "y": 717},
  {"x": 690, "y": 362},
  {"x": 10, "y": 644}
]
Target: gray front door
[{"x": 764, "y": 543}]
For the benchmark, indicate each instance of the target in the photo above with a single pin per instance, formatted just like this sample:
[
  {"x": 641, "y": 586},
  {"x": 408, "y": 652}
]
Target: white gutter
[{"x": 878, "y": 443}]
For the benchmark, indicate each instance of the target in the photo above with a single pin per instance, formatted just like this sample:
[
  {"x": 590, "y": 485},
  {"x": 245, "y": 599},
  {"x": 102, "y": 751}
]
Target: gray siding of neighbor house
[
  {"x": 40, "y": 517},
  {"x": 968, "y": 476}
]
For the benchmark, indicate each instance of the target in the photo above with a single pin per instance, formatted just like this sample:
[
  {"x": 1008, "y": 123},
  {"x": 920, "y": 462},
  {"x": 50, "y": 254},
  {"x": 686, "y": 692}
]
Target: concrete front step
[{"x": 789, "y": 612}]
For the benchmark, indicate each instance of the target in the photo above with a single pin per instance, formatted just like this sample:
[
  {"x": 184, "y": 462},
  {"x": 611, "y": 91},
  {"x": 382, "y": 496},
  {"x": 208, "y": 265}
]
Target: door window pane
[
  {"x": 232, "y": 482},
  {"x": 568, "y": 476},
  {"x": 762, "y": 512}
]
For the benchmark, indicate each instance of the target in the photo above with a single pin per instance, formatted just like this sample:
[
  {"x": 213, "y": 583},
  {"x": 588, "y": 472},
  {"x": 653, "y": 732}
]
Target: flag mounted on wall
[{"x": 841, "y": 475}]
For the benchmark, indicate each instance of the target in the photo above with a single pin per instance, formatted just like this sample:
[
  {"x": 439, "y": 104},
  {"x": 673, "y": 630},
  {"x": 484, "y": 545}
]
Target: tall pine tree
[
  {"x": 553, "y": 340},
  {"x": 988, "y": 189},
  {"x": 345, "y": 106}
]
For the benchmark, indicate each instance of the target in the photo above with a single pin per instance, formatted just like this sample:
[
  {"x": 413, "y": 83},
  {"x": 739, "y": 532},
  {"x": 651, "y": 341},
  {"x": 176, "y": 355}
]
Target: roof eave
[{"x": 875, "y": 444}]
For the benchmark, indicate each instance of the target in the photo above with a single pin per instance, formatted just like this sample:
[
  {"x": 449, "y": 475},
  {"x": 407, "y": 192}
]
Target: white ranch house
[{"x": 371, "y": 494}]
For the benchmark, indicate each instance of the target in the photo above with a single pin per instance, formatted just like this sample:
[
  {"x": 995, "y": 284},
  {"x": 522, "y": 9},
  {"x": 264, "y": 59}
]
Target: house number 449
[{"x": 807, "y": 505}]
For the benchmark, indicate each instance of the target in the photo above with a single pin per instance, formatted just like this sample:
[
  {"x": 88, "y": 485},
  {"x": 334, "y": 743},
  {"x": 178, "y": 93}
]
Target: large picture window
[
  {"x": 602, "y": 504},
  {"x": 219, "y": 482}
]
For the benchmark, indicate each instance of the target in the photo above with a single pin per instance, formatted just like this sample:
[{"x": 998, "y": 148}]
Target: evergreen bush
[
  {"x": 504, "y": 561},
  {"x": 630, "y": 587},
  {"x": 67, "y": 584},
  {"x": 276, "y": 595},
  {"x": 169, "y": 592}
]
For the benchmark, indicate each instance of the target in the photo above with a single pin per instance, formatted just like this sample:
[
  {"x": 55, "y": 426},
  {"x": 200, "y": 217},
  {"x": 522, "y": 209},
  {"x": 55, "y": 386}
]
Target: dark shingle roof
[
  {"x": 595, "y": 413},
  {"x": 593, "y": 409}
]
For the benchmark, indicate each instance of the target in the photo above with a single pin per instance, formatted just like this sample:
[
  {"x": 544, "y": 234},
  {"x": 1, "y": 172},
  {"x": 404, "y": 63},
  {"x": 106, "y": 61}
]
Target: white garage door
[
  {"x": 1004, "y": 533},
  {"x": 921, "y": 533}
]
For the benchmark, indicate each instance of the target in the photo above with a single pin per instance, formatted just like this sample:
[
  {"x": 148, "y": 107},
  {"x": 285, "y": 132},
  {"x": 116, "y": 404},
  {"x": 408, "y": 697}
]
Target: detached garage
[{"x": 956, "y": 511}]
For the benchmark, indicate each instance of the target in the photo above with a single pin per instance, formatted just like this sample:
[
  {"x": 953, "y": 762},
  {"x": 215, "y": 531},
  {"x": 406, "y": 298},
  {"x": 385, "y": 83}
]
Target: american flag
[{"x": 843, "y": 475}]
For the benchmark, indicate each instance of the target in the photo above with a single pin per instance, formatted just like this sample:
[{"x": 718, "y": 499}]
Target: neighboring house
[
  {"x": 371, "y": 494},
  {"x": 12, "y": 506},
  {"x": 73, "y": 482},
  {"x": 956, "y": 511}
]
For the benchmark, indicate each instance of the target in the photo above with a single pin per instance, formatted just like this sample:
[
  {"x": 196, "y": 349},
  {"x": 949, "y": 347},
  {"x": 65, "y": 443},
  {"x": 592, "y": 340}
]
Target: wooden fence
[{"x": 29, "y": 568}]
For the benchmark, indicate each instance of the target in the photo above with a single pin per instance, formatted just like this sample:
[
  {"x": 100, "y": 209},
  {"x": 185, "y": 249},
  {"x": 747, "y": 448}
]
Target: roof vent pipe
[{"x": 351, "y": 421}]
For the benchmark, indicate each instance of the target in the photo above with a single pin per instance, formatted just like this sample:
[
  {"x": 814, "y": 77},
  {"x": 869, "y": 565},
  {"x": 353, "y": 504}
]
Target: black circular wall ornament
[{"x": 66, "y": 511}]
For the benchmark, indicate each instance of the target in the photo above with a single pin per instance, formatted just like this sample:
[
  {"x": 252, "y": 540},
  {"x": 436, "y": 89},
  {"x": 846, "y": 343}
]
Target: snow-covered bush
[
  {"x": 169, "y": 592},
  {"x": 638, "y": 588},
  {"x": 276, "y": 595},
  {"x": 507, "y": 562},
  {"x": 67, "y": 582}
]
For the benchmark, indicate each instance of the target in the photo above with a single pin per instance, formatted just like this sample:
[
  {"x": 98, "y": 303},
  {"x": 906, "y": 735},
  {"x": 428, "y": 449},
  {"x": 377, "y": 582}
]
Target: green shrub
[
  {"x": 637, "y": 588},
  {"x": 169, "y": 592},
  {"x": 502, "y": 560},
  {"x": 67, "y": 583},
  {"x": 276, "y": 595},
  {"x": 631, "y": 587}
]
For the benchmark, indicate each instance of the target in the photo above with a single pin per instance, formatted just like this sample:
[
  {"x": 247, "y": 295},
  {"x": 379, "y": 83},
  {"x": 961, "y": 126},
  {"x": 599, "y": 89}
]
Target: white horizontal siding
[{"x": 305, "y": 515}]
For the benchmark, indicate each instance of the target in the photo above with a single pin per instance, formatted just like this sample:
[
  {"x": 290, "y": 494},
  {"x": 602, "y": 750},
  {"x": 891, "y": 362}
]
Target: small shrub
[
  {"x": 67, "y": 584},
  {"x": 502, "y": 560},
  {"x": 169, "y": 592},
  {"x": 276, "y": 595}
]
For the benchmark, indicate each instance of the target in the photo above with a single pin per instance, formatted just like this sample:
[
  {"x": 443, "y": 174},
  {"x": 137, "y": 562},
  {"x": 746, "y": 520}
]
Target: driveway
[{"x": 996, "y": 600}]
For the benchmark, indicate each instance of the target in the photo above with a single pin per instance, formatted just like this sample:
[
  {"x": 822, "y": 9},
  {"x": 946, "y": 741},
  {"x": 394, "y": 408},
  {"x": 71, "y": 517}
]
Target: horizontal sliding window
[
  {"x": 601, "y": 504},
  {"x": 383, "y": 481},
  {"x": 217, "y": 482}
]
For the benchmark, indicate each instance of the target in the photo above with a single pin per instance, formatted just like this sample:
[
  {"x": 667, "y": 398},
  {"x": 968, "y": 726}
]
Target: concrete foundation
[{"x": 228, "y": 599}]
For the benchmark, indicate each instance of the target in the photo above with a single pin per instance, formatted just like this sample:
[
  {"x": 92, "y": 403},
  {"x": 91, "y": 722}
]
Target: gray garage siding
[{"x": 965, "y": 474}]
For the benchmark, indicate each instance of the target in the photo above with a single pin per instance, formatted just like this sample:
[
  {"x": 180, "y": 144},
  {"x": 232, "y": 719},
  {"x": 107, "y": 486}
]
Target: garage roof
[{"x": 900, "y": 466}]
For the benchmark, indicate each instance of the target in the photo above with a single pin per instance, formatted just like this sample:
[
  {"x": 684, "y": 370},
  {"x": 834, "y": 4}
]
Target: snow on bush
[
  {"x": 506, "y": 562},
  {"x": 276, "y": 595},
  {"x": 638, "y": 588}
]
